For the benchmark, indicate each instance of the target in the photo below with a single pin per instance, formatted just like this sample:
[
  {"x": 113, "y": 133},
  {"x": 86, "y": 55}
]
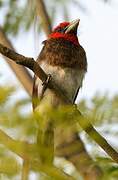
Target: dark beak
[{"x": 72, "y": 27}]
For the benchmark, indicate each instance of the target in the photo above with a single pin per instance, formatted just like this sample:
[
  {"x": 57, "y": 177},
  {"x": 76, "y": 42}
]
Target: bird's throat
[{"x": 58, "y": 52}]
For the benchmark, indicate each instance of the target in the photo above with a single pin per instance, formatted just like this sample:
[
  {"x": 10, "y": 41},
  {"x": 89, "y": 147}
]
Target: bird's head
[{"x": 66, "y": 31}]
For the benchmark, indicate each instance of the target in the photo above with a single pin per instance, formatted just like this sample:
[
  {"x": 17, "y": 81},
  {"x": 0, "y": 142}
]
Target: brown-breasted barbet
[{"x": 65, "y": 60}]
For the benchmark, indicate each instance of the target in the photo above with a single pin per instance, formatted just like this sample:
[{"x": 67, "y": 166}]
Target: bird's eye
[{"x": 60, "y": 30}]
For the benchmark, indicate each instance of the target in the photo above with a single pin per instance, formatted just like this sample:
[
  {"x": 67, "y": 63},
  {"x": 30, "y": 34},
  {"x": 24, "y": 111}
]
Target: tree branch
[
  {"x": 89, "y": 129},
  {"x": 33, "y": 65},
  {"x": 21, "y": 72},
  {"x": 99, "y": 139},
  {"x": 30, "y": 153},
  {"x": 42, "y": 13},
  {"x": 52, "y": 171}
]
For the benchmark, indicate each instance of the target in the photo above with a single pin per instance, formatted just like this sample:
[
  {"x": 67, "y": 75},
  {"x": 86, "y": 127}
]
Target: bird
[{"x": 65, "y": 60}]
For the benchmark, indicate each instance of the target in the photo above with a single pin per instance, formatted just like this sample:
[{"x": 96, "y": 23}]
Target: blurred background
[
  {"x": 97, "y": 34},
  {"x": 21, "y": 29}
]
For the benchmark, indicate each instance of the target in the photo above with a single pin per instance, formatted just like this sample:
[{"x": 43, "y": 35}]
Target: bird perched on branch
[{"x": 65, "y": 60}]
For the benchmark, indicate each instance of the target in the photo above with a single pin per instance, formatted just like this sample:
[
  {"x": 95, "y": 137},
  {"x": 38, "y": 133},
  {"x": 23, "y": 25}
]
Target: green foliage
[
  {"x": 4, "y": 94},
  {"x": 12, "y": 116},
  {"x": 21, "y": 15},
  {"x": 110, "y": 169},
  {"x": 102, "y": 108},
  {"x": 9, "y": 166},
  {"x": 20, "y": 125}
]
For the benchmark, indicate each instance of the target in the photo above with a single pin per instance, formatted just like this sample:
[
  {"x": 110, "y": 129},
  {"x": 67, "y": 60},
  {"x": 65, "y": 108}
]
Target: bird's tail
[
  {"x": 45, "y": 143},
  {"x": 72, "y": 148}
]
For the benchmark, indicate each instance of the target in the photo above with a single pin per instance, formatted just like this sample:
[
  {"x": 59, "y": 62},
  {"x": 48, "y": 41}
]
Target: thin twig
[
  {"x": 90, "y": 130},
  {"x": 52, "y": 171},
  {"x": 99, "y": 139},
  {"x": 25, "y": 169},
  {"x": 18, "y": 147}
]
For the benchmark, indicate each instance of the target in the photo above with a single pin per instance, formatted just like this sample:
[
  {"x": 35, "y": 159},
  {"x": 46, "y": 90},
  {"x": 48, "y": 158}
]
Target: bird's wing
[
  {"x": 35, "y": 91},
  {"x": 76, "y": 93},
  {"x": 38, "y": 92},
  {"x": 82, "y": 57}
]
